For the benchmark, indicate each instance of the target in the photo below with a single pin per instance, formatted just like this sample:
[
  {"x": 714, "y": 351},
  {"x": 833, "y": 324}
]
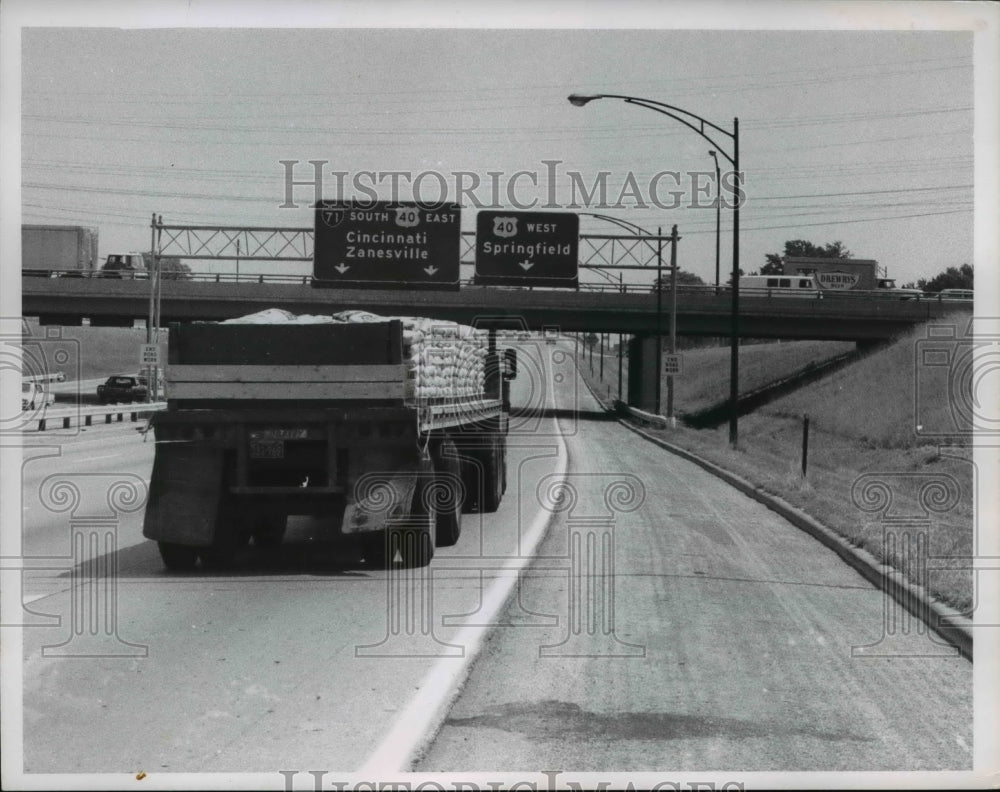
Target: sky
[{"x": 858, "y": 136}]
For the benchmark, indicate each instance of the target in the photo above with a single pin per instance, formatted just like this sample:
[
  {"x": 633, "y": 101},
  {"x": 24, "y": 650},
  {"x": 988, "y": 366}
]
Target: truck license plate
[{"x": 267, "y": 449}]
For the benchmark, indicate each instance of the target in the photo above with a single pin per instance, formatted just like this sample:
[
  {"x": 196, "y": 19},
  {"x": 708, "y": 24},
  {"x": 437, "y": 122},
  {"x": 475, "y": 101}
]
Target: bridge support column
[{"x": 642, "y": 373}]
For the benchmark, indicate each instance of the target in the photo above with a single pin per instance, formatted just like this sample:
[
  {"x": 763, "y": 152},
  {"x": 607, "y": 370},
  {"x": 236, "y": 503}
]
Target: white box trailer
[{"x": 51, "y": 250}]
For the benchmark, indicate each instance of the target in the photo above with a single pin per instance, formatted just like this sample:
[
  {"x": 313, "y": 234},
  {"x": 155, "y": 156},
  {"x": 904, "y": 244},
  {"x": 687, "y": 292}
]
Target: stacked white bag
[{"x": 446, "y": 360}]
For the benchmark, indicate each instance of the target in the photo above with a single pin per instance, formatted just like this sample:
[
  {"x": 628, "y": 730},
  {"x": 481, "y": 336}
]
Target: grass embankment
[
  {"x": 863, "y": 423},
  {"x": 705, "y": 380},
  {"x": 88, "y": 352}
]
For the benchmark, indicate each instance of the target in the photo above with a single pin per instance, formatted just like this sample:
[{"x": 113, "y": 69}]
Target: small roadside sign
[
  {"x": 527, "y": 248},
  {"x": 672, "y": 364},
  {"x": 149, "y": 355}
]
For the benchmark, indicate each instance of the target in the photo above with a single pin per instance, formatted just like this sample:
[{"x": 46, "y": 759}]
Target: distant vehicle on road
[
  {"x": 121, "y": 388},
  {"x": 956, "y": 294},
  {"x": 842, "y": 276},
  {"x": 118, "y": 264},
  {"x": 781, "y": 285},
  {"x": 35, "y": 395},
  {"x": 49, "y": 251}
]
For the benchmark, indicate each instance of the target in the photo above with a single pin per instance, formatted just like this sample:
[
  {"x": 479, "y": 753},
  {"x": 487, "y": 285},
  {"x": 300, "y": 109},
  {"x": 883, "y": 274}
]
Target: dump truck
[
  {"x": 49, "y": 251},
  {"x": 844, "y": 275},
  {"x": 387, "y": 429}
]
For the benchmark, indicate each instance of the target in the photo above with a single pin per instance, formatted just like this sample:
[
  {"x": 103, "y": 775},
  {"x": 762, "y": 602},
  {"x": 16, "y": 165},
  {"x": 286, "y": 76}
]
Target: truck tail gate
[
  {"x": 303, "y": 382},
  {"x": 319, "y": 344},
  {"x": 185, "y": 494}
]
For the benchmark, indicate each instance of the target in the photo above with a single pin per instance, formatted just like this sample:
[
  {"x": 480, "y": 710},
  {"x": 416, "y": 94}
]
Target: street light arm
[
  {"x": 626, "y": 224},
  {"x": 677, "y": 113},
  {"x": 699, "y": 128}
]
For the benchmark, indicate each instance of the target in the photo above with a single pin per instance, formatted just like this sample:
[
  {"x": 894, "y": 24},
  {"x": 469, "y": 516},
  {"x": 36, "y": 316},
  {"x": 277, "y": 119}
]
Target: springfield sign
[
  {"x": 386, "y": 245},
  {"x": 527, "y": 248}
]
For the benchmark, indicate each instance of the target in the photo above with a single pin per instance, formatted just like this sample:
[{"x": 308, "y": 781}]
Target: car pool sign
[
  {"x": 837, "y": 280},
  {"x": 527, "y": 248},
  {"x": 386, "y": 244}
]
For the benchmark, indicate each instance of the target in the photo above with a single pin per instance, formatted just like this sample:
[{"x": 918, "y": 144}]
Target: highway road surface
[
  {"x": 730, "y": 647},
  {"x": 665, "y": 622}
]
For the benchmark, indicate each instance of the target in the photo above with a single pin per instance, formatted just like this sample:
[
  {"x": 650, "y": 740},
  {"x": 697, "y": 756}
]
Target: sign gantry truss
[
  {"x": 247, "y": 243},
  {"x": 264, "y": 243}
]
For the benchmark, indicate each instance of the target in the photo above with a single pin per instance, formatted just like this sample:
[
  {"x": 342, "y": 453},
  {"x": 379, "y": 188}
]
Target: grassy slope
[
  {"x": 91, "y": 352},
  {"x": 705, "y": 380},
  {"x": 863, "y": 421}
]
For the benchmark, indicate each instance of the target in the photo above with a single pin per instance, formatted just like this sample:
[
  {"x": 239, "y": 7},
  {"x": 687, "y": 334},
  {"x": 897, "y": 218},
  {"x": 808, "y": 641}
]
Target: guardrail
[
  {"x": 63, "y": 419},
  {"x": 613, "y": 288}
]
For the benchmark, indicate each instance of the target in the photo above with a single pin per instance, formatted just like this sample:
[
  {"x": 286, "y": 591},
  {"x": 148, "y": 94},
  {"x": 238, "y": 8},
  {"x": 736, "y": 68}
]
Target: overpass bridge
[{"x": 704, "y": 311}]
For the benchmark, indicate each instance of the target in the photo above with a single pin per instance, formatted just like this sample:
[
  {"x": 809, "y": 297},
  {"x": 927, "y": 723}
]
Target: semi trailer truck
[
  {"x": 51, "y": 250},
  {"x": 388, "y": 429},
  {"x": 846, "y": 275}
]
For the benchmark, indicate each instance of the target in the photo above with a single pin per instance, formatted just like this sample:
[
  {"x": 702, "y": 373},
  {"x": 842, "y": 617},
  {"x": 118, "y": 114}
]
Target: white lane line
[
  {"x": 105, "y": 456},
  {"x": 419, "y": 722}
]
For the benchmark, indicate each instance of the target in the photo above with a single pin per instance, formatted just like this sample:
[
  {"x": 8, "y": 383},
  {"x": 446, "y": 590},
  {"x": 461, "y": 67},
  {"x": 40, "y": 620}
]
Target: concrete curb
[{"x": 945, "y": 621}]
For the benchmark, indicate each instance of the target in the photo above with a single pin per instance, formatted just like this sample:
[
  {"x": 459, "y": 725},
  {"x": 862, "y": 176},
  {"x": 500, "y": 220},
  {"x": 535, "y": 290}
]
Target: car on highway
[
  {"x": 121, "y": 388},
  {"x": 34, "y": 395}
]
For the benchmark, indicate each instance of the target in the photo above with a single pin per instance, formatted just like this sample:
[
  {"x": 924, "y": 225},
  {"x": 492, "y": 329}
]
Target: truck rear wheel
[
  {"x": 231, "y": 536},
  {"x": 483, "y": 477},
  {"x": 269, "y": 531},
  {"x": 448, "y": 489},
  {"x": 502, "y": 446},
  {"x": 178, "y": 558},
  {"x": 410, "y": 544},
  {"x": 492, "y": 477}
]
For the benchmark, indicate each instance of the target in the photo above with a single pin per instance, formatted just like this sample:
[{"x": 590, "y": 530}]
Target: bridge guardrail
[
  {"x": 626, "y": 288},
  {"x": 64, "y": 417}
]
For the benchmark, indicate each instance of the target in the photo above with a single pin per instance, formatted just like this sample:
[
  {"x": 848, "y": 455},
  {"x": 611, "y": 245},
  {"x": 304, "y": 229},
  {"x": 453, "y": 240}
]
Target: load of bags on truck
[{"x": 445, "y": 359}]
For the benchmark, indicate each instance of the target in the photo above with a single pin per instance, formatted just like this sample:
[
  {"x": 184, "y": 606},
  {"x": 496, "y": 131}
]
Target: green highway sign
[
  {"x": 386, "y": 244},
  {"x": 527, "y": 248}
]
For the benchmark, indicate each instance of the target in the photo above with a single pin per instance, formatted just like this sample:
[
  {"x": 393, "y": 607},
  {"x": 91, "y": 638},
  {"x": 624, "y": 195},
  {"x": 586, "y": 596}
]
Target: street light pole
[
  {"x": 673, "y": 324},
  {"x": 705, "y": 129},
  {"x": 152, "y": 307},
  {"x": 718, "y": 215},
  {"x": 659, "y": 321},
  {"x": 158, "y": 268},
  {"x": 734, "y": 340}
]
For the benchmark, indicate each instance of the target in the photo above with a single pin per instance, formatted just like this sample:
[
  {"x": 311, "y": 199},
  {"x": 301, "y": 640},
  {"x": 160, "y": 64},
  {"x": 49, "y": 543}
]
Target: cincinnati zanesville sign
[
  {"x": 387, "y": 245},
  {"x": 837, "y": 280}
]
